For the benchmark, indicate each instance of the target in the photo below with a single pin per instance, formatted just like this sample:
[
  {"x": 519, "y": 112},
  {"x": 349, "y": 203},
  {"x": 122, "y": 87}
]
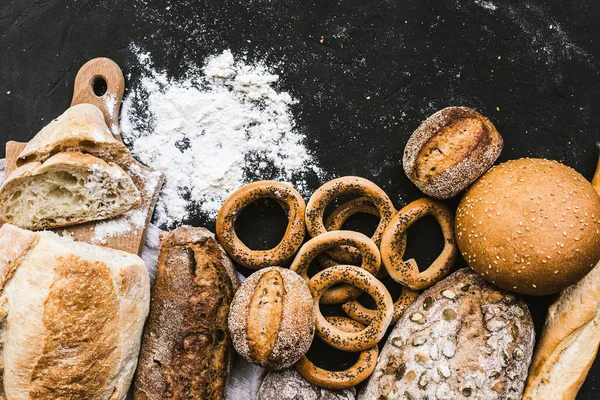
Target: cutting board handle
[{"x": 100, "y": 82}]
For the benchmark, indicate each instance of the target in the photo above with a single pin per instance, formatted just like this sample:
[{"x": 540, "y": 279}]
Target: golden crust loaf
[
  {"x": 531, "y": 226},
  {"x": 450, "y": 150},
  {"x": 569, "y": 342},
  {"x": 186, "y": 350},
  {"x": 72, "y": 317},
  {"x": 81, "y": 128}
]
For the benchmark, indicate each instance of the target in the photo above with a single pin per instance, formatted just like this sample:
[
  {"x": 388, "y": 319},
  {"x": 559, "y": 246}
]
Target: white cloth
[{"x": 246, "y": 377}]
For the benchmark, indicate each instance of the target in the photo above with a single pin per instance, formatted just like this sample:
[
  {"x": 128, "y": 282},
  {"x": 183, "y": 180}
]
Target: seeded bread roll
[
  {"x": 461, "y": 339},
  {"x": 290, "y": 385},
  {"x": 450, "y": 150},
  {"x": 531, "y": 226},
  {"x": 186, "y": 348},
  {"x": 272, "y": 322}
]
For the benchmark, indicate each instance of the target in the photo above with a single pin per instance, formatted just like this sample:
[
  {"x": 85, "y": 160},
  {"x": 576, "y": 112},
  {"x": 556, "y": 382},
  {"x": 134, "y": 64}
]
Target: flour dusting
[{"x": 212, "y": 132}]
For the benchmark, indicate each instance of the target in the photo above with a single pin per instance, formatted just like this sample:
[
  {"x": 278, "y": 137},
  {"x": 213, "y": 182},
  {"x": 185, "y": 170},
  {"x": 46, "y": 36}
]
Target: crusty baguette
[
  {"x": 66, "y": 189},
  {"x": 186, "y": 350},
  {"x": 72, "y": 317},
  {"x": 569, "y": 342},
  {"x": 81, "y": 128}
]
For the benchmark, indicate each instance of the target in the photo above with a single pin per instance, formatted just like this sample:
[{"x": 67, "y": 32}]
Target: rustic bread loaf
[
  {"x": 290, "y": 385},
  {"x": 186, "y": 349},
  {"x": 272, "y": 321},
  {"x": 569, "y": 342},
  {"x": 450, "y": 150},
  {"x": 72, "y": 317},
  {"x": 66, "y": 189},
  {"x": 461, "y": 339},
  {"x": 81, "y": 128},
  {"x": 531, "y": 226}
]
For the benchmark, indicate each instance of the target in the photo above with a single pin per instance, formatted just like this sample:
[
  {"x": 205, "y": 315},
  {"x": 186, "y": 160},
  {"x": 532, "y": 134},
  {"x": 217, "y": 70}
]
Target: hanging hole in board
[{"x": 100, "y": 86}]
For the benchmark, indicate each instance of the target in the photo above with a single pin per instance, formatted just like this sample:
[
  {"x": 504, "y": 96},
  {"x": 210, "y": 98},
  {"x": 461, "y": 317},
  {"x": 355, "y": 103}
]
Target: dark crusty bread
[
  {"x": 186, "y": 348},
  {"x": 450, "y": 150},
  {"x": 461, "y": 339},
  {"x": 288, "y": 384},
  {"x": 530, "y": 225}
]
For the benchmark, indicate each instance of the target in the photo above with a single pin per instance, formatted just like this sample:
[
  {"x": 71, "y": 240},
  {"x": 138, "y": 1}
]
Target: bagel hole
[
  {"x": 262, "y": 224},
  {"x": 425, "y": 242},
  {"x": 326, "y": 357}
]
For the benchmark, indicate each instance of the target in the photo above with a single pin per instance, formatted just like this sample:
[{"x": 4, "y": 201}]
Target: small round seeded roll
[
  {"x": 271, "y": 320},
  {"x": 450, "y": 150}
]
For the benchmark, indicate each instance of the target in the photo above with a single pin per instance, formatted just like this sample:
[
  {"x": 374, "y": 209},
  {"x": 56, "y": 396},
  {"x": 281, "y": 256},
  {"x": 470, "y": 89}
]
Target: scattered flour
[
  {"x": 212, "y": 132},
  {"x": 131, "y": 221},
  {"x": 486, "y": 4}
]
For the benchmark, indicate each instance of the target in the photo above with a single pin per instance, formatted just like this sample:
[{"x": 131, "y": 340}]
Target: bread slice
[
  {"x": 81, "y": 128},
  {"x": 73, "y": 315},
  {"x": 66, "y": 189}
]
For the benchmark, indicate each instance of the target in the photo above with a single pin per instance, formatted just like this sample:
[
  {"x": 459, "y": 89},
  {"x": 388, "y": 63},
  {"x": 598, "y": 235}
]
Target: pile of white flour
[{"x": 213, "y": 132}]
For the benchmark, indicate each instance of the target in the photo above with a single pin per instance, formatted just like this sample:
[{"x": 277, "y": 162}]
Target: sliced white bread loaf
[
  {"x": 71, "y": 319},
  {"x": 81, "y": 128},
  {"x": 66, "y": 189}
]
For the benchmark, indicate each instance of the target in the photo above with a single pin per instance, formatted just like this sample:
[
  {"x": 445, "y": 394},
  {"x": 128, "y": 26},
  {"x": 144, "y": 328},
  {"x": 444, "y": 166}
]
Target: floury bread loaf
[
  {"x": 72, "y": 317},
  {"x": 461, "y": 339},
  {"x": 82, "y": 129},
  {"x": 66, "y": 189},
  {"x": 186, "y": 350}
]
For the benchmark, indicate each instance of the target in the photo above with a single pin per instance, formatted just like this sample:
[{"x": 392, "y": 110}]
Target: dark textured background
[{"x": 531, "y": 66}]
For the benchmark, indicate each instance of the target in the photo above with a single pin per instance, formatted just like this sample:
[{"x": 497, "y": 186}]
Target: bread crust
[
  {"x": 76, "y": 333},
  {"x": 295, "y": 329},
  {"x": 81, "y": 128},
  {"x": 186, "y": 349},
  {"x": 475, "y": 149},
  {"x": 569, "y": 342},
  {"x": 531, "y": 226},
  {"x": 70, "y": 162},
  {"x": 461, "y": 339}
]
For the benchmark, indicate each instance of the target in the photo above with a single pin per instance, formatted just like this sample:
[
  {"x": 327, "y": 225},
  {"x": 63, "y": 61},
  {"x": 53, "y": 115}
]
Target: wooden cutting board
[{"x": 126, "y": 232}]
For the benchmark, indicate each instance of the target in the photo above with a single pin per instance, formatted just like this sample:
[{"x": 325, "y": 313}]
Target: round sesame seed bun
[{"x": 531, "y": 226}]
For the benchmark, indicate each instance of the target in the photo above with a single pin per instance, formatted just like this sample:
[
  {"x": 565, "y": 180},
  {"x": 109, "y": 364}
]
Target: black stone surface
[{"x": 365, "y": 73}]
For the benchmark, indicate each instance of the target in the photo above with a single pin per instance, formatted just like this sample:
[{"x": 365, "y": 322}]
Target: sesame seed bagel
[
  {"x": 531, "y": 226},
  {"x": 271, "y": 319}
]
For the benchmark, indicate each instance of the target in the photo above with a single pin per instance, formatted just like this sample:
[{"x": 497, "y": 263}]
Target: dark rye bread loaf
[
  {"x": 461, "y": 339},
  {"x": 186, "y": 348}
]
